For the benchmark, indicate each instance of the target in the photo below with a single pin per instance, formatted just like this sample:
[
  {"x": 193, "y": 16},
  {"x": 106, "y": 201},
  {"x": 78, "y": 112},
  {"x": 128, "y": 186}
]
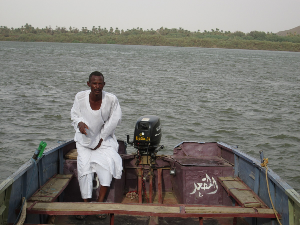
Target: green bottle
[
  {"x": 41, "y": 148},
  {"x": 39, "y": 151}
]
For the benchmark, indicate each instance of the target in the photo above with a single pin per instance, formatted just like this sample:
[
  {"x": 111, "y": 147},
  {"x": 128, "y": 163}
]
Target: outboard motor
[{"x": 147, "y": 136}]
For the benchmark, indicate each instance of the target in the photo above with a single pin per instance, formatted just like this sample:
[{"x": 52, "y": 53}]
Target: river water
[{"x": 245, "y": 98}]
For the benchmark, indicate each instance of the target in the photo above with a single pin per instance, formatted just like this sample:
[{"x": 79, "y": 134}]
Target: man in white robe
[{"x": 95, "y": 115}]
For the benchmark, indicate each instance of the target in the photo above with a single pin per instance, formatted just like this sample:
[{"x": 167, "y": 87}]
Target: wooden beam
[
  {"x": 112, "y": 218},
  {"x": 151, "y": 187},
  {"x": 140, "y": 184},
  {"x": 52, "y": 189},
  {"x": 92, "y": 208},
  {"x": 159, "y": 185},
  {"x": 242, "y": 194},
  {"x": 200, "y": 220}
]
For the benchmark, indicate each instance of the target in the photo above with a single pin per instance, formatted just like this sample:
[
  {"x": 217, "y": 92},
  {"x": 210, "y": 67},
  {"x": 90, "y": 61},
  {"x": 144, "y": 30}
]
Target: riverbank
[{"x": 255, "y": 40}]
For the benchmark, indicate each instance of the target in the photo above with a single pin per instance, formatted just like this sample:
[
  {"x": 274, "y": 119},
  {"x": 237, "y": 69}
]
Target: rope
[
  {"x": 264, "y": 164},
  {"x": 23, "y": 214}
]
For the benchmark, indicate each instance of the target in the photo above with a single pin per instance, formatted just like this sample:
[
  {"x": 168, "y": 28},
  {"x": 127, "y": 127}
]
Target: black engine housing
[{"x": 147, "y": 133}]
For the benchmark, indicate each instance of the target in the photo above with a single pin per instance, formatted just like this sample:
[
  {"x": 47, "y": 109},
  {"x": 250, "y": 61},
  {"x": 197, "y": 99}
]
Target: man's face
[{"x": 96, "y": 84}]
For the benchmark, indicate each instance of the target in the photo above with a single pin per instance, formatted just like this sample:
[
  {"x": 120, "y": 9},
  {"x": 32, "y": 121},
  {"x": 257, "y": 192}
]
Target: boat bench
[
  {"x": 153, "y": 210},
  {"x": 242, "y": 194},
  {"x": 50, "y": 191}
]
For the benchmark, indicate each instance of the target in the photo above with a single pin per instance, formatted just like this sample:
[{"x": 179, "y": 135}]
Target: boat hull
[{"x": 188, "y": 177}]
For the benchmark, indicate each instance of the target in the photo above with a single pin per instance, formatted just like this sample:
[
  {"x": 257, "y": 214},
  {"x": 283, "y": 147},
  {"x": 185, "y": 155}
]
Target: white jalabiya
[
  {"x": 102, "y": 124},
  {"x": 86, "y": 181}
]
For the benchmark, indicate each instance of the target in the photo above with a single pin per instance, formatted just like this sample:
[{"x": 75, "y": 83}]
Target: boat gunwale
[
  {"x": 279, "y": 182},
  {"x": 27, "y": 165}
]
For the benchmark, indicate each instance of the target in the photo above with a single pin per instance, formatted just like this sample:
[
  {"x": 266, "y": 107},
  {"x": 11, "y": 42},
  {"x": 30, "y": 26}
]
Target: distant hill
[{"x": 295, "y": 30}]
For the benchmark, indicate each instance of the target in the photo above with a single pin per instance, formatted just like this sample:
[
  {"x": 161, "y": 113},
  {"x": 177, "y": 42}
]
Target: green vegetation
[{"x": 256, "y": 40}]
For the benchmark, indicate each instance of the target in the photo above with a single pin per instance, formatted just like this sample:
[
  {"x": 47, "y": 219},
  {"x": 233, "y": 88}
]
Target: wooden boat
[{"x": 211, "y": 183}]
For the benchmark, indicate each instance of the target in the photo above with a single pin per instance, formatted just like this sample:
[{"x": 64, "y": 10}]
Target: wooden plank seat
[
  {"x": 92, "y": 208},
  {"x": 242, "y": 194},
  {"x": 50, "y": 191},
  {"x": 72, "y": 154}
]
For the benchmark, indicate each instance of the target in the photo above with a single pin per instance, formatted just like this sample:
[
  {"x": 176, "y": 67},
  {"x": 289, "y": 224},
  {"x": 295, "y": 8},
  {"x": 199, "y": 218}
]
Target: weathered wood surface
[
  {"x": 227, "y": 210},
  {"x": 97, "y": 207},
  {"x": 72, "y": 154},
  {"x": 241, "y": 192},
  {"x": 52, "y": 189},
  {"x": 81, "y": 208}
]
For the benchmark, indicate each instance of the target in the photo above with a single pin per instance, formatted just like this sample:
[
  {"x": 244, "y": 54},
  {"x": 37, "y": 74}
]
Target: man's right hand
[{"x": 82, "y": 126}]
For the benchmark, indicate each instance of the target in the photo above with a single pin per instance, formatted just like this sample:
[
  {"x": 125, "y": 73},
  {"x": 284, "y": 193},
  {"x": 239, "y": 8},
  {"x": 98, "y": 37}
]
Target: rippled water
[{"x": 240, "y": 97}]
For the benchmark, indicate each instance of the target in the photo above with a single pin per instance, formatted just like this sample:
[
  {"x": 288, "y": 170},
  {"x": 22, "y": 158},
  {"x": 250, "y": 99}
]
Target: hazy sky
[{"x": 193, "y": 15}]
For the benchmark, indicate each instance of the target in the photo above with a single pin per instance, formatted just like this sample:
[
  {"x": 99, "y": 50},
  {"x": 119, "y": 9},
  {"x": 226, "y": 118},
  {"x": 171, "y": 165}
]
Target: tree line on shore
[{"x": 215, "y": 38}]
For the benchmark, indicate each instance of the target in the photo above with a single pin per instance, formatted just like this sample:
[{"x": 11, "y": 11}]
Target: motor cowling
[{"x": 147, "y": 133}]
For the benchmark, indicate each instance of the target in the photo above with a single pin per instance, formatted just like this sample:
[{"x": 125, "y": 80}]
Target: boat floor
[
  {"x": 146, "y": 220},
  {"x": 168, "y": 199}
]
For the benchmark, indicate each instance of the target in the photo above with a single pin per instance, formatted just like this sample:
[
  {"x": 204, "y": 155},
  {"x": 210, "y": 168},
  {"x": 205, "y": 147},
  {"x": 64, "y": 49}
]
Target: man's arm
[
  {"x": 113, "y": 120},
  {"x": 77, "y": 118}
]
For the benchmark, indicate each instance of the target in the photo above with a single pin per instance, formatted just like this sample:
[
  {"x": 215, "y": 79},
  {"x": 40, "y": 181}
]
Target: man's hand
[
  {"x": 99, "y": 144},
  {"x": 82, "y": 126}
]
